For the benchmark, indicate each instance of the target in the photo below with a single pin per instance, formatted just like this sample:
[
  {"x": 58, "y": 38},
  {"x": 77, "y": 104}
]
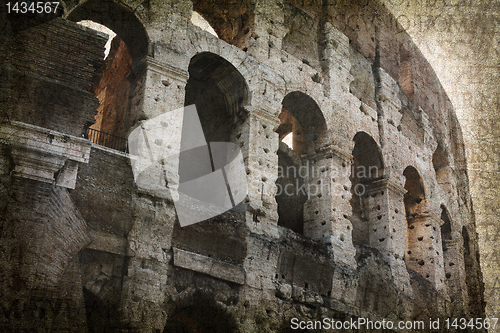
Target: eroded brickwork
[{"x": 357, "y": 206}]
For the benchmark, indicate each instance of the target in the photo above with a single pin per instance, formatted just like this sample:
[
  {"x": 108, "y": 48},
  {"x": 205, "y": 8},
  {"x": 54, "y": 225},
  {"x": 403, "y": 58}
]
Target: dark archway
[
  {"x": 118, "y": 18},
  {"x": 302, "y": 119},
  {"x": 367, "y": 167},
  {"x": 113, "y": 85},
  {"x": 441, "y": 164},
  {"x": 471, "y": 278},
  {"x": 445, "y": 228},
  {"x": 219, "y": 91},
  {"x": 203, "y": 317},
  {"x": 415, "y": 205}
]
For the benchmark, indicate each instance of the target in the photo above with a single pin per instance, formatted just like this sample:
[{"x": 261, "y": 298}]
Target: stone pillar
[
  {"x": 41, "y": 229},
  {"x": 454, "y": 270},
  {"x": 386, "y": 213},
  {"x": 259, "y": 143},
  {"x": 149, "y": 254},
  {"x": 156, "y": 87},
  {"x": 327, "y": 209},
  {"x": 335, "y": 62},
  {"x": 269, "y": 31},
  {"x": 424, "y": 254}
]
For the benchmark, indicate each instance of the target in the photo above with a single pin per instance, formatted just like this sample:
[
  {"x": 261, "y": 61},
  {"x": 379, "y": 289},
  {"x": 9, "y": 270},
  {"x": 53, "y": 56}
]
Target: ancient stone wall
[{"x": 383, "y": 230}]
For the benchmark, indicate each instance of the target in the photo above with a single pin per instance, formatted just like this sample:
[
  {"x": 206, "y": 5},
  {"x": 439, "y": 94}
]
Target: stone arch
[
  {"x": 414, "y": 202},
  {"x": 119, "y": 18},
  {"x": 115, "y": 85},
  {"x": 452, "y": 261},
  {"x": 299, "y": 164},
  {"x": 423, "y": 245},
  {"x": 219, "y": 92},
  {"x": 202, "y": 315},
  {"x": 445, "y": 227},
  {"x": 367, "y": 168},
  {"x": 448, "y": 247},
  {"x": 442, "y": 169},
  {"x": 302, "y": 117},
  {"x": 232, "y": 21}
]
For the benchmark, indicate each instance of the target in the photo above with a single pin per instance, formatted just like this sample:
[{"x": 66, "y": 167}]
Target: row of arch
[{"x": 219, "y": 91}]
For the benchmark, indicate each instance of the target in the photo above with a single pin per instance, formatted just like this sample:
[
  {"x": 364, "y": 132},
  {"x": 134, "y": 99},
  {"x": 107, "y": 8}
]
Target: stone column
[
  {"x": 386, "y": 213},
  {"x": 259, "y": 143},
  {"x": 41, "y": 229},
  {"x": 157, "y": 88},
  {"x": 269, "y": 31},
  {"x": 336, "y": 65},
  {"x": 327, "y": 209},
  {"x": 454, "y": 270},
  {"x": 424, "y": 254}
]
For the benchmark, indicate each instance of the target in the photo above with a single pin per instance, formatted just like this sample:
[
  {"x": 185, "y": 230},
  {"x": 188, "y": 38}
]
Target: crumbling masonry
[{"x": 327, "y": 96}]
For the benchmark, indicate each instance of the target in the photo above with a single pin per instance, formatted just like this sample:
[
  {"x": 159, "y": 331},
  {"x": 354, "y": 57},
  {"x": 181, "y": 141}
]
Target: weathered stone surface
[{"x": 357, "y": 206}]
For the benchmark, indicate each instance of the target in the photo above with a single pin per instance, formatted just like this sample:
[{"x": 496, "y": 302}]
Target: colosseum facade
[{"x": 358, "y": 203}]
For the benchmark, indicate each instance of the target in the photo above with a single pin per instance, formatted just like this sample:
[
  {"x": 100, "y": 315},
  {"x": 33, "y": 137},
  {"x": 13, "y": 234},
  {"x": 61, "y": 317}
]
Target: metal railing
[{"x": 106, "y": 139}]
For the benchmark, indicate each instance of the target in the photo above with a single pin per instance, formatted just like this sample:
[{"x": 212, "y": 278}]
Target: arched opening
[
  {"x": 449, "y": 255},
  {"x": 219, "y": 91},
  {"x": 415, "y": 206},
  {"x": 441, "y": 164},
  {"x": 445, "y": 228},
  {"x": 127, "y": 47},
  {"x": 367, "y": 167},
  {"x": 232, "y": 21},
  {"x": 112, "y": 89},
  {"x": 202, "y": 318},
  {"x": 302, "y": 117},
  {"x": 302, "y": 122},
  {"x": 120, "y": 19}
]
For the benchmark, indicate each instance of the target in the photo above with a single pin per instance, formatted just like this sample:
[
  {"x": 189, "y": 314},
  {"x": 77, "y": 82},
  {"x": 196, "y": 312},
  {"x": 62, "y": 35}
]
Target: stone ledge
[
  {"x": 46, "y": 140},
  {"x": 45, "y": 155},
  {"x": 203, "y": 264},
  {"x": 107, "y": 242}
]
